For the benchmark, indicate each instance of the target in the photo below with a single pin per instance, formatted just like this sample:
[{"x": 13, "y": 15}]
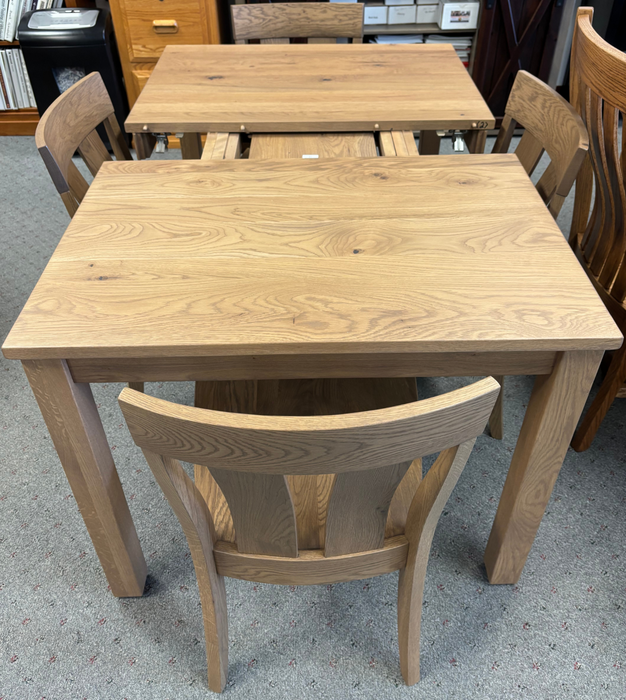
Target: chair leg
[
  {"x": 609, "y": 388},
  {"x": 428, "y": 502},
  {"x": 496, "y": 426},
  {"x": 194, "y": 516}
]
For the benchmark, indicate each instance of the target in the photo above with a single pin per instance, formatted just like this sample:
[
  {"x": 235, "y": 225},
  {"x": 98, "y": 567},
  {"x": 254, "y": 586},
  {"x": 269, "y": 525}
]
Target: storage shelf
[
  {"x": 411, "y": 29},
  {"x": 17, "y": 122}
]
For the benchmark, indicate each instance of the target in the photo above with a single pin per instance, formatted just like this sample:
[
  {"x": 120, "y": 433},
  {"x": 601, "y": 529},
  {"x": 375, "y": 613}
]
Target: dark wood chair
[
  {"x": 598, "y": 237},
  {"x": 249, "y": 526}
]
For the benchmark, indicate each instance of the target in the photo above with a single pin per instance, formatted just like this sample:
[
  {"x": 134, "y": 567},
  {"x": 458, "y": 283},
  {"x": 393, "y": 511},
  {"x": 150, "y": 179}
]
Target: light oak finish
[
  {"x": 597, "y": 89},
  {"x": 308, "y": 88},
  {"x": 341, "y": 145},
  {"x": 297, "y": 20},
  {"x": 440, "y": 364},
  {"x": 74, "y": 425},
  {"x": 551, "y": 125},
  {"x": 143, "y": 28},
  {"x": 244, "y": 269},
  {"x": 224, "y": 236},
  {"x": 312, "y": 566},
  {"x": 68, "y": 125},
  {"x": 249, "y": 456},
  {"x": 397, "y": 143},
  {"x": 557, "y": 400}
]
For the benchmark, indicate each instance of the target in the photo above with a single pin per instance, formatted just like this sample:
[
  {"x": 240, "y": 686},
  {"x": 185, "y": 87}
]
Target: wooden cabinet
[
  {"x": 145, "y": 27},
  {"x": 514, "y": 35}
]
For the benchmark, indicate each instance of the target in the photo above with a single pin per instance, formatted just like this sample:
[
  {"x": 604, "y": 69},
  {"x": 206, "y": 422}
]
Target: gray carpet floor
[{"x": 559, "y": 633}]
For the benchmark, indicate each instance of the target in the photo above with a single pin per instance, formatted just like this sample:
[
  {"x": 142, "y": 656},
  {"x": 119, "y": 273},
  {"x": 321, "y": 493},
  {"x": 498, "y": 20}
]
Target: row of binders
[
  {"x": 11, "y": 12},
  {"x": 16, "y": 91}
]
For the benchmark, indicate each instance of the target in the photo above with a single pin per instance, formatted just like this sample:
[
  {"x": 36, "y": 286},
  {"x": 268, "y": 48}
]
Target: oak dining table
[
  {"x": 308, "y": 88},
  {"x": 243, "y": 270}
]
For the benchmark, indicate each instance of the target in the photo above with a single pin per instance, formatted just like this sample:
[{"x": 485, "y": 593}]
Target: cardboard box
[
  {"x": 375, "y": 14},
  {"x": 427, "y": 14},
  {"x": 458, "y": 15},
  {"x": 402, "y": 14}
]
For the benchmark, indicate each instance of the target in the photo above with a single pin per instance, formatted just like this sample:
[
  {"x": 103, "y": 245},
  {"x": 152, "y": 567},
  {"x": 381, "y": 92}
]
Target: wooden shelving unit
[
  {"x": 17, "y": 122},
  {"x": 411, "y": 29}
]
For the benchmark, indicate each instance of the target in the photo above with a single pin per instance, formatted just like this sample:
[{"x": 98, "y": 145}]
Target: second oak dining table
[
  {"x": 227, "y": 270},
  {"x": 308, "y": 88}
]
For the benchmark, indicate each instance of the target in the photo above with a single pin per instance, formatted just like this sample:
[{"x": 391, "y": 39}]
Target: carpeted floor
[{"x": 559, "y": 633}]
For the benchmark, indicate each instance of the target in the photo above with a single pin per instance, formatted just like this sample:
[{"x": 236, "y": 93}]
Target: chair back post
[{"x": 278, "y": 22}]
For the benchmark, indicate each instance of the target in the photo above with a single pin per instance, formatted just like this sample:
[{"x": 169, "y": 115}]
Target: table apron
[{"x": 444, "y": 364}]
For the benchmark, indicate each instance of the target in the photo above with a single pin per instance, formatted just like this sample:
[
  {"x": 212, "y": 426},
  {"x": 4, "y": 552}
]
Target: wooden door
[{"x": 514, "y": 35}]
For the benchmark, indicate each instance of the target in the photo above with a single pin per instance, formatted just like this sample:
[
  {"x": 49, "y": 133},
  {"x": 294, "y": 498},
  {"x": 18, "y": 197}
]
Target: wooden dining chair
[
  {"x": 553, "y": 126},
  {"x": 68, "y": 125},
  {"x": 597, "y": 235},
  {"x": 248, "y": 527},
  {"x": 317, "y": 22}
]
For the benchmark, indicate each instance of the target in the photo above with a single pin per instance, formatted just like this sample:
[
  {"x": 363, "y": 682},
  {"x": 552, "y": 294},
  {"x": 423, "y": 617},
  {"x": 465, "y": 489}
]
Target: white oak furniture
[
  {"x": 309, "y": 88},
  {"x": 249, "y": 528},
  {"x": 260, "y": 269}
]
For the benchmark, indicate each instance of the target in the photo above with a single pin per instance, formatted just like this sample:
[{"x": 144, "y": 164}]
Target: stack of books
[
  {"x": 462, "y": 44},
  {"x": 11, "y": 12},
  {"x": 15, "y": 88}
]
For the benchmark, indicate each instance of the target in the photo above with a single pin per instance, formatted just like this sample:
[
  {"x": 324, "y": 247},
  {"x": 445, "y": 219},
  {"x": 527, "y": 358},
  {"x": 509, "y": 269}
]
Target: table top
[
  {"x": 241, "y": 257},
  {"x": 309, "y": 87}
]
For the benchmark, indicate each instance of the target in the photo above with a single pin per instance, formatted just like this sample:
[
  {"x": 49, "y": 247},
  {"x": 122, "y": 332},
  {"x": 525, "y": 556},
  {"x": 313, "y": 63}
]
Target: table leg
[
  {"x": 144, "y": 145},
  {"x": 553, "y": 411},
  {"x": 191, "y": 146},
  {"x": 72, "y": 419},
  {"x": 429, "y": 143},
  {"x": 476, "y": 140}
]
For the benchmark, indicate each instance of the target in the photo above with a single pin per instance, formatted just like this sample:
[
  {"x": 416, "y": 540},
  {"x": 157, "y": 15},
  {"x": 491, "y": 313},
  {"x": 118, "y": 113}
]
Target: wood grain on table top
[
  {"x": 309, "y": 88},
  {"x": 205, "y": 258}
]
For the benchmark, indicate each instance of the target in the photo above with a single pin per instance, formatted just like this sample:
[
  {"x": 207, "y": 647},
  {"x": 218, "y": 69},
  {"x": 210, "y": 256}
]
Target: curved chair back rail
[
  {"x": 248, "y": 528},
  {"x": 276, "y": 23},
  {"x": 69, "y": 125}
]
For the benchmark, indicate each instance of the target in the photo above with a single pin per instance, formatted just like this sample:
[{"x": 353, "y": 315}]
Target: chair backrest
[
  {"x": 551, "y": 124},
  {"x": 598, "y": 91},
  {"x": 68, "y": 125},
  {"x": 276, "y": 23},
  {"x": 250, "y": 456}
]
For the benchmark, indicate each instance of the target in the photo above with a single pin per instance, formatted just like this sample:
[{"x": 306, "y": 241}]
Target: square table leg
[
  {"x": 429, "y": 143},
  {"x": 554, "y": 408},
  {"x": 72, "y": 419},
  {"x": 191, "y": 146},
  {"x": 476, "y": 140}
]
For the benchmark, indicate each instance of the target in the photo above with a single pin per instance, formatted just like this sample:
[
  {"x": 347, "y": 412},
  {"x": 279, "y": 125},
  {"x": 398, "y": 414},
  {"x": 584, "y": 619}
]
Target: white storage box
[
  {"x": 399, "y": 2},
  {"x": 425, "y": 2},
  {"x": 427, "y": 14},
  {"x": 375, "y": 14},
  {"x": 458, "y": 15},
  {"x": 402, "y": 14}
]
